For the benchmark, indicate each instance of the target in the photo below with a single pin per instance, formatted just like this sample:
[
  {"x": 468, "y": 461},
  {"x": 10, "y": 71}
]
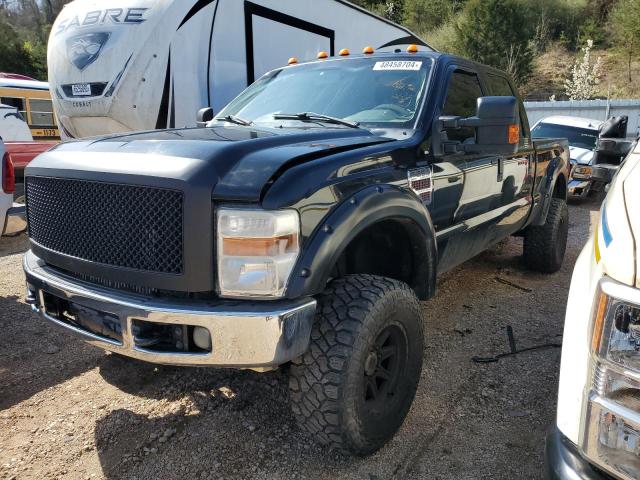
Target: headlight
[
  {"x": 257, "y": 251},
  {"x": 581, "y": 172},
  {"x": 616, "y": 335},
  {"x": 612, "y": 415}
]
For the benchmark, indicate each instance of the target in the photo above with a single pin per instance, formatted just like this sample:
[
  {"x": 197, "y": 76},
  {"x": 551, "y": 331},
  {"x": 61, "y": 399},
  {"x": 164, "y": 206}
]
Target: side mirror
[
  {"x": 497, "y": 124},
  {"x": 204, "y": 116}
]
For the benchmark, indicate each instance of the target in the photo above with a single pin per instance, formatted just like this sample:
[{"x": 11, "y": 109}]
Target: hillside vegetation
[{"x": 537, "y": 41}]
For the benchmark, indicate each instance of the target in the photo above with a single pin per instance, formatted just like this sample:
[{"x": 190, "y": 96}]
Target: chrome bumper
[
  {"x": 16, "y": 221},
  {"x": 579, "y": 188},
  {"x": 243, "y": 334}
]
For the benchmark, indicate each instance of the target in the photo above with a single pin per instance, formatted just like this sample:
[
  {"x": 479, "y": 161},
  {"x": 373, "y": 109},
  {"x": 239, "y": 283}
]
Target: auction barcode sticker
[{"x": 398, "y": 65}]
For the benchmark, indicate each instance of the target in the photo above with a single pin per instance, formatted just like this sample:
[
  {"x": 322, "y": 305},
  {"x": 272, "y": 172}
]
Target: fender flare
[
  {"x": 558, "y": 170},
  {"x": 369, "y": 206}
]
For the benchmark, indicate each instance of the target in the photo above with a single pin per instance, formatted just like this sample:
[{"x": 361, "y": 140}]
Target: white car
[
  {"x": 582, "y": 134},
  {"x": 597, "y": 433},
  {"x": 12, "y": 215}
]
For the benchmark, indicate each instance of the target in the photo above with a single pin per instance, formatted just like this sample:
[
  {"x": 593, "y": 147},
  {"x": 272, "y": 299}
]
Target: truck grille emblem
[
  {"x": 420, "y": 181},
  {"x": 84, "y": 49}
]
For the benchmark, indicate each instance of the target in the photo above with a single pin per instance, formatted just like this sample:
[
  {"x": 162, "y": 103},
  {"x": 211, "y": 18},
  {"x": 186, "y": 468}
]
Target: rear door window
[{"x": 500, "y": 86}]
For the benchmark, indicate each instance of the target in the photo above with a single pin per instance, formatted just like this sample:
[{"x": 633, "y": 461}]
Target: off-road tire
[
  {"x": 545, "y": 245},
  {"x": 331, "y": 386}
]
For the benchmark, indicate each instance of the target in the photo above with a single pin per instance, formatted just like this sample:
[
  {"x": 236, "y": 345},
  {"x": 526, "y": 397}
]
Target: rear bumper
[
  {"x": 243, "y": 334},
  {"x": 579, "y": 188},
  {"x": 564, "y": 462},
  {"x": 16, "y": 221}
]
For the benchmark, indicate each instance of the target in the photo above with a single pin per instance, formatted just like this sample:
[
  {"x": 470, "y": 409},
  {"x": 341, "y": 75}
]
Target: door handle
[
  {"x": 500, "y": 169},
  {"x": 455, "y": 179}
]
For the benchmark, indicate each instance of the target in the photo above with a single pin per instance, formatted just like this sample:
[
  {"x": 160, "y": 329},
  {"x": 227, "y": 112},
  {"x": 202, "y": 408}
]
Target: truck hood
[
  {"x": 581, "y": 156},
  {"x": 235, "y": 163}
]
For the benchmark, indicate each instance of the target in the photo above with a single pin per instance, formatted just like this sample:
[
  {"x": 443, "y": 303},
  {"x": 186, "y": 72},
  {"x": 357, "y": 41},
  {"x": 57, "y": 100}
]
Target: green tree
[
  {"x": 18, "y": 55},
  {"x": 624, "y": 23},
  {"x": 498, "y": 33},
  {"x": 423, "y": 16}
]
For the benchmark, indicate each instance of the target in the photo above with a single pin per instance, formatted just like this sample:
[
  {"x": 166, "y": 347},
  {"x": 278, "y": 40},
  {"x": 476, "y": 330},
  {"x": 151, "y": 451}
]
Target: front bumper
[
  {"x": 243, "y": 334},
  {"x": 16, "y": 221},
  {"x": 579, "y": 188},
  {"x": 564, "y": 462}
]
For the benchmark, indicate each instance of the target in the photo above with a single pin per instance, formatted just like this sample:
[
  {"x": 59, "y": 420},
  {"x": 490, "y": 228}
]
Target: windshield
[
  {"x": 371, "y": 93},
  {"x": 578, "y": 137}
]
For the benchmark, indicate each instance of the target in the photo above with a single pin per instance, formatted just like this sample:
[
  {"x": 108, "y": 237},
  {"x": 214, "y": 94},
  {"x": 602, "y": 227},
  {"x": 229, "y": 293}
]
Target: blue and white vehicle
[{"x": 597, "y": 434}]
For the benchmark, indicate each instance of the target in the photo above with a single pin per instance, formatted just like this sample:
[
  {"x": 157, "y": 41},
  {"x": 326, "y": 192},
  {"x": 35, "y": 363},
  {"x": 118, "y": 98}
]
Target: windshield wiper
[
  {"x": 234, "y": 119},
  {"x": 315, "y": 117}
]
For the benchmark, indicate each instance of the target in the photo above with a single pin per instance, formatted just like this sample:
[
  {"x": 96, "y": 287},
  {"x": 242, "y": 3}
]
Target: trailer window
[
  {"x": 367, "y": 91},
  {"x": 41, "y": 112}
]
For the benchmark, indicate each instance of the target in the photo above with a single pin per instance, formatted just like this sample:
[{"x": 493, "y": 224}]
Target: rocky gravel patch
[{"x": 68, "y": 410}]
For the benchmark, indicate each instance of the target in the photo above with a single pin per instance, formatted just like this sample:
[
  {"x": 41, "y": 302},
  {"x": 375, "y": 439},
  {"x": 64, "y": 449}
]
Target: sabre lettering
[{"x": 117, "y": 16}]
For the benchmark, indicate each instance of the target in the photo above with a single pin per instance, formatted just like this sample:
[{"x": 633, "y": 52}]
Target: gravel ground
[{"x": 68, "y": 410}]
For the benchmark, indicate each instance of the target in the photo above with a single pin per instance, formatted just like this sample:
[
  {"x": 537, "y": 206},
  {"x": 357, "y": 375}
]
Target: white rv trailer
[{"x": 145, "y": 64}]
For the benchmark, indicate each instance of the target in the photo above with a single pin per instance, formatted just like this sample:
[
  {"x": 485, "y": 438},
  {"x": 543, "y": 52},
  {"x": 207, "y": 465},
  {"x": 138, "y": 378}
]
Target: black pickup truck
[{"x": 300, "y": 227}]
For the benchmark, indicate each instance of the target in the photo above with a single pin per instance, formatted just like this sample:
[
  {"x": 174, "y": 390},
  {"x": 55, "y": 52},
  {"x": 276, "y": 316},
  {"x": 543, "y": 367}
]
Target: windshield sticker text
[{"x": 397, "y": 65}]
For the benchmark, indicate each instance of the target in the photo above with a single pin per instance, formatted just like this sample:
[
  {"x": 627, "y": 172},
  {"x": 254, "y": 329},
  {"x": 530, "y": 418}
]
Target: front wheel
[
  {"x": 545, "y": 245},
  {"x": 355, "y": 385}
]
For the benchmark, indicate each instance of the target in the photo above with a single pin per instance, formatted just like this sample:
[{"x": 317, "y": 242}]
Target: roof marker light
[
  {"x": 368, "y": 50},
  {"x": 344, "y": 52},
  {"x": 412, "y": 49},
  {"x": 322, "y": 55},
  {"x": 293, "y": 61}
]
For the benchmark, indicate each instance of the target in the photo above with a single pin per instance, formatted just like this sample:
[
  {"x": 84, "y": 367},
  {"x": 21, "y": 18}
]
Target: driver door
[{"x": 476, "y": 176}]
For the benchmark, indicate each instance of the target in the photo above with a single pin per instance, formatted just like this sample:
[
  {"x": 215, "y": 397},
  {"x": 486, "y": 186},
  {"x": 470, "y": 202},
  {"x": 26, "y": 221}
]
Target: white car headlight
[
  {"x": 612, "y": 415},
  {"x": 581, "y": 172},
  {"x": 257, "y": 250}
]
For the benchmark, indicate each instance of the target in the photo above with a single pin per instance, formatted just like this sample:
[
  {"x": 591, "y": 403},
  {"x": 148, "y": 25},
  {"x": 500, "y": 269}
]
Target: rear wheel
[
  {"x": 354, "y": 386},
  {"x": 545, "y": 245}
]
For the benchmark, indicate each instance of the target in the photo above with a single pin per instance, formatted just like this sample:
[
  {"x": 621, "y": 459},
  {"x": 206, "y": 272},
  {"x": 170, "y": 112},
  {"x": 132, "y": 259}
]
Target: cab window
[{"x": 461, "y": 101}]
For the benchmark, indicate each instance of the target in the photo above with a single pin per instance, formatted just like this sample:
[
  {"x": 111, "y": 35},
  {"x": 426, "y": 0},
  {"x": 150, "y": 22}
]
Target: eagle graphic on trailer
[{"x": 146, "y": 64}]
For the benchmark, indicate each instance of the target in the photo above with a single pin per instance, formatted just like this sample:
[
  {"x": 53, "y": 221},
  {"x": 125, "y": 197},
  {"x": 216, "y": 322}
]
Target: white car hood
[{"x": 582, "y": 156}]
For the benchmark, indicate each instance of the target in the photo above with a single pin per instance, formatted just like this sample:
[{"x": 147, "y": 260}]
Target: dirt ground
[{"x": 68, "y": 410}]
